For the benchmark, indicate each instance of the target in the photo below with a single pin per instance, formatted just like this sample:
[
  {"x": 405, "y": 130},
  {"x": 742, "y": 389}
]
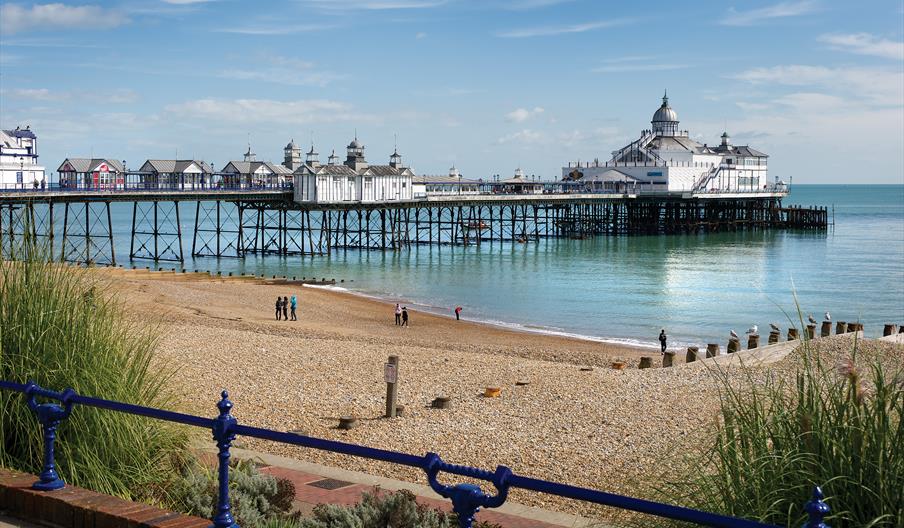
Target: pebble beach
[{"x": 563, "y": 413}]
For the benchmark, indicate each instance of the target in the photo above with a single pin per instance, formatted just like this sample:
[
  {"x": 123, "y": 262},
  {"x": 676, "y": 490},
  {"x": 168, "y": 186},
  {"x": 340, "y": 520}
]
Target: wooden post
[
  {"x": 826, "y": 329},
  {"x": 811, "y": 331},
  {"x": 692, "y": 352},
  {"x": 646, "y": 362},
  {"x": 889, "y": 329},
  {"x": 668, "y": 358},
  {"x": 712, "y": 350},
  {"x": 774, "y": 337},
  {"x": 792, "y": 334},
  {"x": 753, "y": 341},
  {"x": 840, "y": 327},
  {"x": 391, "y": 375},
  {"x": 734, "y": 345}
]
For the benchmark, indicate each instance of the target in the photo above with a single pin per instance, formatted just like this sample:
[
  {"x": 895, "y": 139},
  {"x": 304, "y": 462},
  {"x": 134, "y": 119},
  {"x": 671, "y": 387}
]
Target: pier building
[
  {"x": 355, "y": 180},
  {"x": 252, "y": 173},
  {"x": 518, "y": 184},
  {"x": 665, "y": 158},
  {"x": 19, "y": 159},
  {"x": 92, "y": 173},
  {"x": 175, "y": 174},
  {"x": 444, "y": 185}
]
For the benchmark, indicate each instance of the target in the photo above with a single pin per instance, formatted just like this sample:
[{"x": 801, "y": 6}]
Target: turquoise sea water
[{"x": 627, "y": 288}]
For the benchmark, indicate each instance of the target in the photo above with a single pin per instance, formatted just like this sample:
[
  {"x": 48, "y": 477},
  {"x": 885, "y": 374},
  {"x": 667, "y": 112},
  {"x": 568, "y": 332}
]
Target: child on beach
[
  {"x": 398, "y": 314},
  {"x": 278, "y": 308},
  {"x": 405, "y": 316},
  {"x": 285, "y": 308},
  {"x": 294, "y": 305}
]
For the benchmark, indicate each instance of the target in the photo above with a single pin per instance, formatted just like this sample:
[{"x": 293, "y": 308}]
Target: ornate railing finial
[
  {"x": 50, "y": 415},
  {"x": 816, "y": 510},
  {"x": 222, "y": 433}
]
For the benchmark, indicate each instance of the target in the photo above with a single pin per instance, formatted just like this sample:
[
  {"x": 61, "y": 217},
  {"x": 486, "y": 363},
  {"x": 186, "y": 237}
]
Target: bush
[
  {"x": 837, "y": 426},
  {"x": 256, "y": 499},
  {"x": 59, "y": 328}
]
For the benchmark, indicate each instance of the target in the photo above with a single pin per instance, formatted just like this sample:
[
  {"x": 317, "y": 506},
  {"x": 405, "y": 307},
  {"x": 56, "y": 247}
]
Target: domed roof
[
  {"x": 355, "y": 145},
  {"x": 665, "y": 113},
  {"x": 291, "y": 145}
]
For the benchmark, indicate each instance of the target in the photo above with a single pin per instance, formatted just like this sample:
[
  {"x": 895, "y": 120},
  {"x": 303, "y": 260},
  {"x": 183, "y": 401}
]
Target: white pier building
[
  {"x": 665, "y": 158},
  {"x": 19, "y": 160}
]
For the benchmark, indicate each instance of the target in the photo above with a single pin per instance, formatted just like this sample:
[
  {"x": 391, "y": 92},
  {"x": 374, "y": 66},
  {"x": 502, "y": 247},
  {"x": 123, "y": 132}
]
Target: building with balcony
[
  {"x": 665, "y": 158},
  {"x": 19, "y": 160}
]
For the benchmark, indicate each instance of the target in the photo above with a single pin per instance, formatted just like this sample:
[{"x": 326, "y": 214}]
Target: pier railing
[{"x": 466, "y": 498}]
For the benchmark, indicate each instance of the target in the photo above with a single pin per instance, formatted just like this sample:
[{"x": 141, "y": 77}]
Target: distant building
[
  {"x": 292, "y": 159},
  {"x": 352, "y": 181},
  {"x": 175, "y": 174},
  {"x": 667, "y": 159},
  {"x": 252, "y": 173},
  {"x": 91, "y": 173},
  {"x": 518, "y": 184},
  {"x": 444, "y": 185},
  {"x": 19, "y": 159}
]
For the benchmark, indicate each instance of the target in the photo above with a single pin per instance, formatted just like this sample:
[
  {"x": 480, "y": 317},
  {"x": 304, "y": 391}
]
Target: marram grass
[{"x": 62, "y": 328}]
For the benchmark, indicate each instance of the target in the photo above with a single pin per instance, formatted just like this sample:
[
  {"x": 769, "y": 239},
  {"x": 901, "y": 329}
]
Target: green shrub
[
  {"x": 838, "y": 426},
  {"x": 256, "y": 499},
  {"x": 61, "y": 328}
]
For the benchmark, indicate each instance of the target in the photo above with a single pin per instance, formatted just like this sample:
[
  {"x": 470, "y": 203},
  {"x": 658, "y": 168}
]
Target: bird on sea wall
[
  {"x": 775, "y": 327},
  {"x": 733, "y": 334},
  {"x": 753, "y": 330},
  {"x": 828, "y": 316},
  {"x": 810, "y": 318}
]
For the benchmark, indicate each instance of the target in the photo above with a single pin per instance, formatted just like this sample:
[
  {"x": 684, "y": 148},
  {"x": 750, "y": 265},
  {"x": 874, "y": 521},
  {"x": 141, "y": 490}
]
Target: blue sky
[{"x": 486, "y": 85}]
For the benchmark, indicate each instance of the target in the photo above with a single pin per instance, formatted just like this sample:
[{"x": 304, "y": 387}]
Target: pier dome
[{"x": 665, "y": 120}]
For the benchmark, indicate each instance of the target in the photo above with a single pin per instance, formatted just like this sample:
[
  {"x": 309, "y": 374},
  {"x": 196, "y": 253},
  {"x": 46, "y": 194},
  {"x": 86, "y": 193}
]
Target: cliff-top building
[{"x": 665, "y": 158}]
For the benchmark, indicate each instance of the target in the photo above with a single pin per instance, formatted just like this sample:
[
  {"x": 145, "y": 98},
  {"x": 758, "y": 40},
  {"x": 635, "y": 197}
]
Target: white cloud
[
  {"x": 44, "y": 94},
  {"x": 266, "y": 111},
  {"x": 872, "y": 86},
  {"x": 547, "y": 31},
  {"x": 420, "y": 35},
  {"x": 276, "y": 29},
  {"x": 865, "y": 44},
  {"x": 522, "y": 5},
  {"x": 186, "y": 2},
  {"x": 755, "y": 16},
  {"x": 15, "y": 18},
  {"x": 526, "y": 136},
  {"x": 519, "y": 115},
  {"x": 282, "y": 70},
  {"x": 342, "y": 6},
  {"x": 615, "y": 68}
]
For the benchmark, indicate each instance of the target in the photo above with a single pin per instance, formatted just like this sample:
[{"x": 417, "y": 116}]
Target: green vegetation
[
  {"x": 834, "y": 425},
  {"x": 59, "y": 328}
]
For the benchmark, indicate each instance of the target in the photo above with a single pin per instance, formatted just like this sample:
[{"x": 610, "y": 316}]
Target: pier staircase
[
  {"x": 707, "y": 177},
  {"x": 640, "y": 145}
]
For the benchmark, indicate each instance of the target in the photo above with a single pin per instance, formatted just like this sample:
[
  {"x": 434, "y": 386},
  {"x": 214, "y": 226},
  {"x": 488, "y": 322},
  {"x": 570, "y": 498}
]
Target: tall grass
[
  {"x": 829, "y": 423},
  {"x": 62, "y": 328}
]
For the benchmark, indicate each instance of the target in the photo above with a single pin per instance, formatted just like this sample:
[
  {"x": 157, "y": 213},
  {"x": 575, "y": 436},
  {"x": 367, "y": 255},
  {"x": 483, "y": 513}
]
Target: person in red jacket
[{"x": 458, "y": 313}]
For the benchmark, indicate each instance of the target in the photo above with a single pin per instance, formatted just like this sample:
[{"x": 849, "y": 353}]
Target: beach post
[
  {"x": 811, "y": 331},
  {"x": 774, "y": 337},
  {"x": 889, "y": 329},
  {"x": 753, "y": 341},
  {"x": 792, "y": 334},
  {"x": 734, "y": 345},
  {"x": 826, "y": 329},
  {"x": 391, "y": 375},
  {"x": 645, "y": 362},
  {"x": 692, "y": 352},
  {"x": 840, "y": 328},
  {"x": 712, "y": 350},
  {"x": 668, "y": 358}
]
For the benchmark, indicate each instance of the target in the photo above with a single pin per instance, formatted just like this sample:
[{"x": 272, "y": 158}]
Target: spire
[{"x": 665, "y": 98}]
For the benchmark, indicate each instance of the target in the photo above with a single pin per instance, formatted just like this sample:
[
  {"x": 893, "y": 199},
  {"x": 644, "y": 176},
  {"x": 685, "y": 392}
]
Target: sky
[{"x": 487, "y": 86}]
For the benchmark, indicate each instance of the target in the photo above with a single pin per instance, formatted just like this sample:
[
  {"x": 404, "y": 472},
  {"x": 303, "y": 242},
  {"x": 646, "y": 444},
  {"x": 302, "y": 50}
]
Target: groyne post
[
  {"x": 889, "y": 329},
  {"x": 712, "y": 350},
  {"x": 668, "y": 358},
  {"x": 692, "y": 352},
  {"x": 753, "y": 341},
  {"x": 793, "y": 334},
  {"x": 840, "y": 328},
  {"x": 826, "y": 329},
  {"x": 645, "y": 362},
  {"x": 774, "y": 337},
  {"x": 811, "y": 331},
  {"x": 734, "y": 345},
  {"x": 391, "y": 375}
]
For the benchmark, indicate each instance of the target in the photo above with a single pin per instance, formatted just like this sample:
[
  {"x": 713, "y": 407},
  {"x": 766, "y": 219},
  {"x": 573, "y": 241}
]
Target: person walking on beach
[
  {"x": 294, "y": 305},
  {"x": 405, "y": 316},
  {"x": 458, "y": 313},
  {"x": 278, "y": 308},
  {"x": 285, "y": 308},
  {"x": 662, "y": 340},
  {"x": 398, "y": 314}
]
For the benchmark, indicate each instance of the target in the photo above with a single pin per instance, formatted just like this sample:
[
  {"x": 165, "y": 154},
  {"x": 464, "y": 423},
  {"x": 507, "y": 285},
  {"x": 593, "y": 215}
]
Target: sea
[{"x": 624, "y": 289}]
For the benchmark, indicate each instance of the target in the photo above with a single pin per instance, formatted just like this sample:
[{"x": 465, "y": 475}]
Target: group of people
[
  {"x": 283, "y": 305},
  {"x": 401, "y": 315}
]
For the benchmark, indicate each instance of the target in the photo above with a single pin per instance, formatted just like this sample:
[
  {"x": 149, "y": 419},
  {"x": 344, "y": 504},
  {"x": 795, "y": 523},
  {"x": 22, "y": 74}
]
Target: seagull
[
  {"x": 828, "y": 316},
  {"x": 733, "y": 334},
  {"x": 753, "y": 330},
  {"x": 775, "y": 327},
  {"x": 810, "y": 318}
]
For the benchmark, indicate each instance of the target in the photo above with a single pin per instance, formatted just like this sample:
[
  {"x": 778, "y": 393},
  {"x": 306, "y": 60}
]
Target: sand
[{"x": 613, "y": 430}]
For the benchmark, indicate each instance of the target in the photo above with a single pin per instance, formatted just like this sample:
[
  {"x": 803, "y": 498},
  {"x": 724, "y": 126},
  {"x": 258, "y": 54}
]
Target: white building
[
  {"x": 444, "y": 185},
  {"x": 91, "y": 173},
  {"x": 664, "y": 158},
  {"x": 352, "y": 181},
  {"x": 518, "y": 184},
  {"x": 250, "y": 173},
  {"x": 175, "y": 174},
  {"x": 19, "y": 160}
]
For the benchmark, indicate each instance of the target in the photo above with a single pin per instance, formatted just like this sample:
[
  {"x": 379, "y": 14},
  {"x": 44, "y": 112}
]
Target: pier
[{"x": 234, "y": 222}]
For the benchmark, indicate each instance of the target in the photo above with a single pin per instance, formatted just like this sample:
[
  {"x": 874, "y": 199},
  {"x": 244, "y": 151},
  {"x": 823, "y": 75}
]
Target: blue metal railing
[{"x": 466, "y": 499}]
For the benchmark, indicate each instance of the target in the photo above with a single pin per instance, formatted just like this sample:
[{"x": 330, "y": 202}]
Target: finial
[
  {"x": 816, "y": 510},
  {"x": 224, "y": 405}
]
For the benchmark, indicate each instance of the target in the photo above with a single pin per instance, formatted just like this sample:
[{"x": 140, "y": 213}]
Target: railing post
[
  {"x": 816, "y": 510},
  {"x": 467, "y": 499},
  {"x": 222, "y": 433},
  {"x": 50, "y": 415}
]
